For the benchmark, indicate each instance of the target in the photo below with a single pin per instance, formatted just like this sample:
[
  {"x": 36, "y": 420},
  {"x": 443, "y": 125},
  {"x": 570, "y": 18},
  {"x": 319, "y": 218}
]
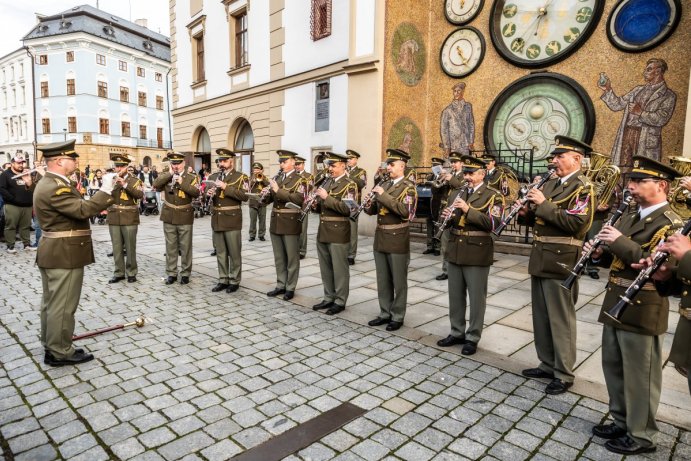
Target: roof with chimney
[{"x": 92, "y": 21}]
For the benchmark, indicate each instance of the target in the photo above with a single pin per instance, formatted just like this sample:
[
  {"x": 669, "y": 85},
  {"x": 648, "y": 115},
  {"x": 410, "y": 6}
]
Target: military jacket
[
  {"x": 440, "y": 195},
  {"x": 359, "y": 176},
  {"x": 394, "y": 208},
  {"x": 493, "y": 179},
  {"x": 649, "y": 313},
  {"x": 470, "y": 239},
  {"x": 681, "y": 286},
  {"x": 560, "y": 224},
  {"x": 456, "y": 181},
  {"x": 309, "y": 179},
  {"x": 177, "y": 201},
  {"x": 125, "y": 208},
  {"x": 60, "y": 208},
  {"x": 334, "y": 222},
  {"x": 226, "y": 214},
  {"x": 284, "y": 220},
  {"x": 257, "y": 185}
]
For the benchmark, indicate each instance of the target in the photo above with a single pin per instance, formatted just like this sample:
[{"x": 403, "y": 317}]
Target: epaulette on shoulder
[
  {"x": 674, "y": 218},
  {"x": 63, "y": 190},
  {"x": 584, "y": 179}
]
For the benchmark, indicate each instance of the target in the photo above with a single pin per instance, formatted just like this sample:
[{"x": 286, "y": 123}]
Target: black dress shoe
[
  {"x": 594, "y": 275},
  {"x": 335, "y": 309},
  {"x": 219, "y": 287},
  {"x": 213, "y": 253},
  {"x": 262, "y": 239},
  {"x": 393, "y": 326},
  {"x": 536, "y": 373},
  {"x": 378, "y": 321},
  {"x": 351, "y": 261},
  {"x": 322, "y": 305},
  {"x": 557, "y": 386},
  {"x": 110, "y": 255},
  {"x": 251, "y": 239},
  {"x": 78, "y": 350},
  {"x": 116, "y": 279},
  {"x": 232, "y": 288},
  {"x": 428, "y": 251},
  {"x": 288, "y": 295},
  {"x": 450, "y": 341},
  {"x": 302, "y": 256},
  {"x": 171, "y": 279},
  {"x": 184, "y": 280},
  {"x": 276, "y": 292},
  {"x": 608, "y": 431},
  {"x": 627, "y": 446},
  {"x": 77, "y": 357},
  {"x": 469, "y": 348},
  {"x": 131, "y": 279},
  {"x": 442, "y": 277}
]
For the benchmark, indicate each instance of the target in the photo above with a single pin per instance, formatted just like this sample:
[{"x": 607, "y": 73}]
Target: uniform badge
[
  {"x": 580, "y": 207},
  {"x": 496, "y": 211}
]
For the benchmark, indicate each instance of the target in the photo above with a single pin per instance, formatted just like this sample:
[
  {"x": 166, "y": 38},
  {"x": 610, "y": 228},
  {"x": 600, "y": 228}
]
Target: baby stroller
[
  {"x": 149, "y": 203},
  {"x": 100, "y": 218}
]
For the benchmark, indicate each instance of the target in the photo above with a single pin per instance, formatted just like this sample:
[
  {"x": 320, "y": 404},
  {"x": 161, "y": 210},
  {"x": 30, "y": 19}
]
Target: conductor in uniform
[
  {"x": 123, "y": 220},
  {"x": 359, "y": 176},
  {"x": 394, "y": 206},
  {"x": 228, "y": 192},
  {"x": 285, "y": 228},
  {"x": 257, "y": 209},
  {"x": 632, "y": 346},
  {"x": 180, "y": 188},
  {"x": 309, "y": 184},
  {"x": 333, "y": 236},
  {"x": 561, "y": 213},
  {"x": 64, "y": 250}
]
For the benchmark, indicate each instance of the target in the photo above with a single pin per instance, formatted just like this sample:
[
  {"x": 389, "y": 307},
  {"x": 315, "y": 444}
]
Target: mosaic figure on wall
[
  {"x": 458, "y": 124},
  {"x": 647, "y": 108},
  {"x": 408, "y": 54},
  {"x": 406, "y": 136}
]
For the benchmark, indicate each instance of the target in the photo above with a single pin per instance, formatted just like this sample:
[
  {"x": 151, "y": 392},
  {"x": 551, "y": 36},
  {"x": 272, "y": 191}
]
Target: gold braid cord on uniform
[{"x": 618, "y": 264}]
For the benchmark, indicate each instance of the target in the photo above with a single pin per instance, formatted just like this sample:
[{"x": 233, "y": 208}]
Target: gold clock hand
[
  {"x": 462, "y": 3},
  {"x": 460, "y": 53},
  {"x": 518, "y": 128}
]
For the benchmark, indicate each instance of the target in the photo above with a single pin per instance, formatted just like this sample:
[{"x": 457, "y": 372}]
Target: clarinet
[
  {"x": 578, "y": 269},
  {"x": 324, "y": 182},
  {"x": 519, "y": 203},
  {"x": 441, "y": 224},
  {"x": 659, "y": 258},
  {"x": 368, "y": 198},
  {"x": 265, "y": 191}
]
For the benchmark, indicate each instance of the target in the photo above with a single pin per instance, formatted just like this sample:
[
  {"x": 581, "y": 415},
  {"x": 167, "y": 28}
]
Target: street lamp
[{"x": 64, "y": 131}]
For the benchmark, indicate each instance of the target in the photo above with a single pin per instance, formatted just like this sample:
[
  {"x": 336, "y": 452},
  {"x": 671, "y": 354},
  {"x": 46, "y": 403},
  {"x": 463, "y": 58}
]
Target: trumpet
[
  {"x": 367, "y": 200},
  {"x": 263, "y": 195},
  {"x": 441, "y": 224},
  {"x": 323, "y": 183}
]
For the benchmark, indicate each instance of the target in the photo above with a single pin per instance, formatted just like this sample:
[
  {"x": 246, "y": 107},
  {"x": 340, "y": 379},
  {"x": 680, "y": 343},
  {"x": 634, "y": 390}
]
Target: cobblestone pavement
[{"x": 214, "y": 375}]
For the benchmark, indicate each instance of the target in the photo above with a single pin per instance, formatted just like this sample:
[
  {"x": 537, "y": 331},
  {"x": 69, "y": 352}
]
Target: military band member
[
  {"x": 180, "y": 188},
  {"x": 285, "y": 228},
  {"x": 440, "y": 191},
  {"x": 562, "y": 213},
  {"x": 333, "y": 236},
  {"x": 454, "y": 180},
  {"x": 123, "y": 220},
  {"x": 309, "y": 182},
  {"x": 632, "y": 347},
  {"x": 394, "y": 205},
  {"x": 493, "y": 176},
  {"x": 257, "y": 209},
  {"x": 477, "y": 210},
  {"x": 64, "y": 250},
  {"x": 228, "y": 192},
  {"x": 359, "y": 176}
]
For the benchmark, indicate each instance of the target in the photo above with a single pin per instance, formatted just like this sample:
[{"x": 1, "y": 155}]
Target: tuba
[
  {"x": 603, "y": 175},
  {"x": 678, "y": 195}
]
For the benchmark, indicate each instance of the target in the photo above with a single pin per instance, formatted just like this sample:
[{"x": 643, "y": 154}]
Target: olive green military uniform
[
  {"x": 493, "y": 178},
  {"x": 123, "y": 222},
  {"x": 454, "y": 185},
  {"x": 359, "y": 177},
  {"x": 440, "y": 192},
  {"x": 64, "y": 250},
  {"x": 561, "y": 223},
  {"x": 394, "y": 208},
  {"x": 285, "y": 229},
  {"x": 178, "y": 220},
  {"x": 257, "y": 209},
  {"x": 226, "y": 223},
  {"x": 632, "y": 349},
  {"x": 309, "y": 183},
  {"x": 470, "y": 253}
]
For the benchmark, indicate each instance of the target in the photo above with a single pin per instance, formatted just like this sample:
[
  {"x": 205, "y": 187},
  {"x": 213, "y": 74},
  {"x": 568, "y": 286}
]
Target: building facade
[
  {"x": 103, "y": 81},
  {"x": 16, "y": 106}
]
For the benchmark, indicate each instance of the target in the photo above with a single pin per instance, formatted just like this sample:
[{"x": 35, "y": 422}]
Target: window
[
  {"x": 45, "y": 122},
  {"x": 159, "y": 102},
  {"x": 70, "y": 87},
  {"x": 159, "y": 137},
  {"x": 320, "y": 19},
  {"x": 100, "y": 59},
  {"x": 125, "y": 128},
  {"x": 44, "y": 89},
  {"x": 104, "y": 126},
  {"x": 42, "y": 59},
  {"x": 141, "y": 96},
  {"x": 124, "y": 94},
  {"x": 122, "y": 65},
  {"x": 142, "y": 131},
  {"x": 69, "y": 56},
  {"x": 199, "y": 51},
  {"x": 72, "y": 124},
  {"x": 159, "y": 77},
  {"x": 102, "y": 89},
  {"x": 141, "y": 72},
  {"x": 241, "y": 42}
]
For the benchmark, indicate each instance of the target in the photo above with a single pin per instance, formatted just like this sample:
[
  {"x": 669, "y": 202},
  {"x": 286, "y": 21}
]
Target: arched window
[
  {"x": 244, "y": 141},
  {"x": 147, "y": 161},
  {"x": 203, "y": 141}
]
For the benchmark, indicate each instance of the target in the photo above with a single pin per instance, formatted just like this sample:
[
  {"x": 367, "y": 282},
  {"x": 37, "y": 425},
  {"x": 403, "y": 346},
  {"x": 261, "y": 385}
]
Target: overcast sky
[{"x": 17, "y": 17}]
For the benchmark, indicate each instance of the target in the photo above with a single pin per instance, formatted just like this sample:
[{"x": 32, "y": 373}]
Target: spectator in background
[{"x": 17, "y": 193}]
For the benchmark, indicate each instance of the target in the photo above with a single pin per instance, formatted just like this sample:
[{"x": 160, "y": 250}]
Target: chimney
[{"x": 141, "y": 22}]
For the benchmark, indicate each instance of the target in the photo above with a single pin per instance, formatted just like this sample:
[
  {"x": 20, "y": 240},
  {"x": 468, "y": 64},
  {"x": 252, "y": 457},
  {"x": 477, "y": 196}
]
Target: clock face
[
  {"x": 533, "y": 33},
  {"x": 639, "y": 25},
  {"x": 462, "y": 11},
  {"x": 530, "y": 112},
  {"x": 462, "y": 52}
]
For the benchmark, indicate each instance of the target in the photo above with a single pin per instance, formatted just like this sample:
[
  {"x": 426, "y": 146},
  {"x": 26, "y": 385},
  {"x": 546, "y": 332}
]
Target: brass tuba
[
  {"x": 678, "y": 195},
  {"x": 603, "y": 175}
]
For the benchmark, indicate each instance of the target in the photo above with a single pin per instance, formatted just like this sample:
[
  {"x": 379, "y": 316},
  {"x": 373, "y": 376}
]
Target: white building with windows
[
  {"x": 16, "y": 106},
  {"x": 103, "y": 81},
  {"x": 257, "y": 76}
]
